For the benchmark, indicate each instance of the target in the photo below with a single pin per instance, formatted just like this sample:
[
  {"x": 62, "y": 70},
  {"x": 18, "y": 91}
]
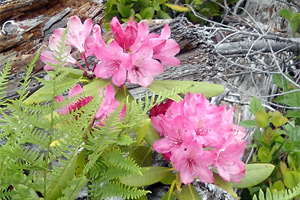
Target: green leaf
[
  {"x": 169, "y": 180},
  {"x": 255, "y": 174},
  {"x": 168, "y": 196},
  {"x": 143, "y": 130},
  {"x": 54, "y": 191},
  {"x": 163, "y": 15},
  {"x": 264, "y": 154},
  {"x": 155, "y": 4},
  {"x": 177, "y": 7},
  {"x": 248, "y": 123},
  {"x": 208, "y": 89},
  {"x": 255, "y": 105},
  {"x": 277, "y": 119},
  {"x": 189, "y": 192},
  {"x": 261, "y": 118},
  {"x": 278, "y": 186},
  {"x": 285, "y": 13},
  {"x": 144, "y": 3},
  {"x": 150, "y": 175},
  {"x": 294, "y": 24},
  {"x": 80, "y": 163},
  {"x": 142, "y": 155},
  {"x": 291, "y": 179},
  {"x": 147, "y": 13},
  {"x": 124, "y": 10},
  {"x": 162, "y": 1},
  {"x": 227, "y": 186}
]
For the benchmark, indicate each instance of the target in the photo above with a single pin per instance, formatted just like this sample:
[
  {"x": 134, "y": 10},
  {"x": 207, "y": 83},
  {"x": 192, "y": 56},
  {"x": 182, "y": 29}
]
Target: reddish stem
[
  {"x": 86, "y": 62},
  {"x": 81, "y": 67}
]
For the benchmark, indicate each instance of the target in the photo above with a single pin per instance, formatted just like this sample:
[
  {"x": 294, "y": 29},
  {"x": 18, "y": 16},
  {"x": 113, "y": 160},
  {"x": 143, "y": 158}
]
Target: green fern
[
  {"x": 279, "y": 195},
  {"x": 3, "y": 81},
  {"x": 114, "y": 189}
]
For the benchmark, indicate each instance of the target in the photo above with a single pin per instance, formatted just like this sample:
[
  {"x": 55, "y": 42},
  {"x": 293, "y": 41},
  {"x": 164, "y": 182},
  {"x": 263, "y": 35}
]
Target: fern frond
[
  {"x": 118, "y": 159},
  {"x": 4, "y": 80},
  {"x": 74, "y": 187},
  {"x": 115, "y": 189},
  {"x": 278, "y": 195},
  {"x": 23, "y": 93}
]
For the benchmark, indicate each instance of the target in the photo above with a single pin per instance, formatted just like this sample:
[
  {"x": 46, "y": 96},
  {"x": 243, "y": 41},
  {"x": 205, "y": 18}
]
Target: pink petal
[
  {"x": 102, "y": 71},
  {"x": 166, "y": 32},
  {"x": 119, "y": 77},
  {"x": 59, "y": 98},
  {"x": 86, "y": 28},
  {"x": 77, "y": 89},
  {"x": 117, "y": 30}
]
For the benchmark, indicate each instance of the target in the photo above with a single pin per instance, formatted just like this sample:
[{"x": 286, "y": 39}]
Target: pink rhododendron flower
[
  {"x": 165, "y": 49},
  {"x": 113, "y": 63},
  {"x": 135, "y": 55},
  {"x": 47, "y": 56},
  {"x": 192, "y": 161},
  {"x": 198, "y": 136},
  {"x": 108, "y": 104},
  {"x": 125, "y": 38},
  {"x": 144, "y": 68},
  {"x": 78, "y": 32}
]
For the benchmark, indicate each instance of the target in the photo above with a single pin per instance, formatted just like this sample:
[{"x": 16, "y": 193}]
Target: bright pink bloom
[
  {"x": 78, "y": 32},
  {"x": 165, "y": 49},
  {"x": 197, "y": 136},
  {"x": 126, "y": 38},
  {"x": 191, "y": 161},
  {"x": 228, "y": 162},
  {"x": 144, "y": 68},
  {"x": 113, "y": 63},
  {"x": 108, "y": 105},
  {"x": 47, "y": 56},
  {"x": 94, "y": 42}
]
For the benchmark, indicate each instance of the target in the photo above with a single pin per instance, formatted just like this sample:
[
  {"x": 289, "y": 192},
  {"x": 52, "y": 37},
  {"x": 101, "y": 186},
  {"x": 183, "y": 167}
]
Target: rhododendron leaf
[
  {"x": 54, "y": 191},
  {"x": 208, "y": 89},
  {"x": 92, "y": 89},
  {"x": 177, "y": 7},
  {"x": 143, "y": 130},
  {"x": 151, "y": 135},
  {"x": 80, "y": 163},
  {"x": 169, "y": 180},
  {"x": 227, "y": 186},
  {"x": 168, "y": 196},
  {"x": 189, "y": 192},
  {"x": 142, "y": 155},
  {"x": 255, "y": 174},
  {"x": 150, "y": 176},
  {"x": 159, "y": 88}
]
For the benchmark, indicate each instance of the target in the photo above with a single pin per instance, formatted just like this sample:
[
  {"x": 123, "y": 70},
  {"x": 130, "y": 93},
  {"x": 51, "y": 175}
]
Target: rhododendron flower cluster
[
  {"x": 135, "y": 55},
  {"x": 197, "y": 137},
  {"x": 107, "y": 106}
]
